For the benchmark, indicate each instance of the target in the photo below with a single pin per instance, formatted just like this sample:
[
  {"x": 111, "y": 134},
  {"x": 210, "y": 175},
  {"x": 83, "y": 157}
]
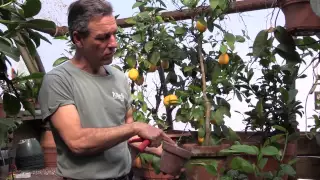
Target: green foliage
[
  {"x": 241, "y": 166},
  {"x": 20, "y": 30},
  {"x": 150, "y": 42}
]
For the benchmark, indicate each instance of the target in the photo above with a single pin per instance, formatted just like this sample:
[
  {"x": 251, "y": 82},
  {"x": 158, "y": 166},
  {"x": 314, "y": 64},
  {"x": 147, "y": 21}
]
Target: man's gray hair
[{"x": 81, "y": 11}]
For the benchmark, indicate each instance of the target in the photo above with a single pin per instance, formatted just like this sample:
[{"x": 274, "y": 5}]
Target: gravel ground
[{"x": 41, "y": 174}]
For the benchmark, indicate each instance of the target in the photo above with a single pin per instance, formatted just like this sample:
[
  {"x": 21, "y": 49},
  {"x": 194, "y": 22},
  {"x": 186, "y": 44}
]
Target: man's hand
[{"x": 155, "y": 135}]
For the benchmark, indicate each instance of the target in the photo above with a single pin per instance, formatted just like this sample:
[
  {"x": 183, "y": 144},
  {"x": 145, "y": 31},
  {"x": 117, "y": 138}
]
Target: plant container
[
  {"x": 204, "y": 155},
  {"x": 29, "y": 155},
  {"x": 144, "y": 170},
  {"x": 2, "y": 112},
  {"x": 173, "y": 159},
  {"x": 48, "y": 146},
  {"x": 4, "y": 164},
  {"x": 299, "y": 17}
]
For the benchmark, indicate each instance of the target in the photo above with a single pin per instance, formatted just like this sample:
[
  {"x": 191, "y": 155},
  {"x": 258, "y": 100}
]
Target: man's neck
[{"x": 85, "y": 65}]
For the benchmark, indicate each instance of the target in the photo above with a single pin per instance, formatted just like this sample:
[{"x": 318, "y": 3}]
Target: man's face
[{"x": 100, "y": 45}]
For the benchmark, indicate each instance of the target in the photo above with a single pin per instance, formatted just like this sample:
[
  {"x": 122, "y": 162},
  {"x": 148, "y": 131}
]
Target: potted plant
[
  {"x": 299, "y": 17},
  {"x": 155, "y": 49},
  {"x": 273, "y": 116}
]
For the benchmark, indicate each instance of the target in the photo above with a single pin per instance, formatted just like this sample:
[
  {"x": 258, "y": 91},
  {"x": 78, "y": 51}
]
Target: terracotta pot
[
  {"x": 299, "y": 17},
  {"x": 49, "y": 149},
  {"x": 204, "y": 154},
  {"x": 173, "y": 159},
  {"x": 2, "y": 112},
  {"x": 146, "y": 171}
]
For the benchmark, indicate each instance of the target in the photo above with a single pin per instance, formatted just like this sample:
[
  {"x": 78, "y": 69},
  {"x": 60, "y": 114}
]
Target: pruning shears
[{"x": 145, "y": 143}]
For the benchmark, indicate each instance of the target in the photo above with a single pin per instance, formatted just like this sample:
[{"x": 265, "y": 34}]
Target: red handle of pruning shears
[{"x": 145, "y": 143}]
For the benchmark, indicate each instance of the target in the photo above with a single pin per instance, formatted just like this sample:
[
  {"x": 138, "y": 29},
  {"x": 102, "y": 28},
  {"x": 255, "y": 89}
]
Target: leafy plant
[
  {"x": 19, "y": 39},
  {"x": 275, "y": 88},
  {"x": 251, "y": 160}
]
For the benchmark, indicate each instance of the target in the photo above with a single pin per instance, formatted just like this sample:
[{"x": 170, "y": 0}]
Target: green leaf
[
  {"x": 190, "y": 3},
  {"x": 8, "y": 50},
  {"x": 259, "y": 108},
  {"x": 270, "y": 151},
  {"x": 32, "y": 76},
  {"x": 293, "y": 161},
  {"x": 238, "y": 163},
  {"x": 252, "y": 150},
  {"x": 180, "y": 30},
  {"x": 144, "y": 15},
  {"x": 212, "y": 168},
  {"x": 188, "y": 68},
  {"x": 148, "y": 46},
  {"x": 260, "y": 43},
  {"x": 39, "y": 25},
  {"x": 11, "y": 104},
  {"x": 138, "y": 4},
  {"x": 201, "y": 132},
  {"x": 262, "y": 163},
  {"x": 280, "y": 128},
  {"x": 219, "y": 114},
  {"x": 223, "y": 48},
  {"x": 292, "y": 95},
  {"x": 287, "y": 169},
  {"x": 29, "y": 107},
  {"x": 60, "y": 61},
  {"x": 215, "y": 74},
  {"x": 230, "y": 38},
  {"x": 238, "y": 95},
  {"x": 38, "y": 35},
  {"x": 214, "y": 4},
  {"x": 137, "y": 37},
  {"x": 130, "y": 21},
  {"x": 155, "y": 57},
  {"x": 31, "y": 8},
  {"x": 233, "y": 136},
  {"x": 240, "y": 39},
  {"x": 156, "y": 164},
  {"x": 282, "y": 35}
]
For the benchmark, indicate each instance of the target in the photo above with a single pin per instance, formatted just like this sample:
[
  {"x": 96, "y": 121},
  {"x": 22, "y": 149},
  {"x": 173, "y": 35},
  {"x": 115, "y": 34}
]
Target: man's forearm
[{"x": 94, "y": 140}]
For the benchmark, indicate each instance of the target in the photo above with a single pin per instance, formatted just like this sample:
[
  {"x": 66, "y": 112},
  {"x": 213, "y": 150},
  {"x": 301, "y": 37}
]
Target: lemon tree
[{"x": 171, "y": 58}]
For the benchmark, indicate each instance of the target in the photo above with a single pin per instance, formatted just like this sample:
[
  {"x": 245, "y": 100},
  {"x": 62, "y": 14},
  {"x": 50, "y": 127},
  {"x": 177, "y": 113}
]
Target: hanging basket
[{"x": 300, "y": 18}]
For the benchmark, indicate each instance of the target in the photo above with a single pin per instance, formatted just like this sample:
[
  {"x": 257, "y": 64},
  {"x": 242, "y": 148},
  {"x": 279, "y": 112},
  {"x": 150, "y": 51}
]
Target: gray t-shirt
[{"x": 101, "y": 101}]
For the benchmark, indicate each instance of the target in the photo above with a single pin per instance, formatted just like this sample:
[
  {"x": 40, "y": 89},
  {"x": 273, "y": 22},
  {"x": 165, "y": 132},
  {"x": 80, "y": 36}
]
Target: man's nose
[{"x": 113, "y": 42}]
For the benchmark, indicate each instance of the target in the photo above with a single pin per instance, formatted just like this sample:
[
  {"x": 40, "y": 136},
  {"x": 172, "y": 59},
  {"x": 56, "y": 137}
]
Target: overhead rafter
[{"x": 236, "y": 7}]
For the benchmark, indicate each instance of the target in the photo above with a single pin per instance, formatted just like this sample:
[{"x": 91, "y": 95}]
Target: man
[{"x": 87, "y": 102}]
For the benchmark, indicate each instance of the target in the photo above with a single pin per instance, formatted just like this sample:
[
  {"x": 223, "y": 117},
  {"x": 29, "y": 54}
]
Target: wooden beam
[{"x": 236, "y": 7}]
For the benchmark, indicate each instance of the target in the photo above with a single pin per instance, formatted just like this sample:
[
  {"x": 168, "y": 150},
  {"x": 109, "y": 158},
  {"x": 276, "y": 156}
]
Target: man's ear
[{"x": 77, "y": 39}]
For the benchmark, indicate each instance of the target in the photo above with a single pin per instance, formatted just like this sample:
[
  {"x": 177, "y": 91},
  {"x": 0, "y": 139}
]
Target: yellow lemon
[
  {"x": 224, "y": 58},
  {"x": 200, "y": 140},
  {"x": 137, "y": 162},
  {"x": 170, "y": 99},
  {"x": 201, "y": 27},
  {"x": 166, "y": 101},
  {"x": 133, "y": 74}
]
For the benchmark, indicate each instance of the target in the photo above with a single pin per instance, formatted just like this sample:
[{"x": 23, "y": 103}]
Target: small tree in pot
[{"x": 273, "y": 116}]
